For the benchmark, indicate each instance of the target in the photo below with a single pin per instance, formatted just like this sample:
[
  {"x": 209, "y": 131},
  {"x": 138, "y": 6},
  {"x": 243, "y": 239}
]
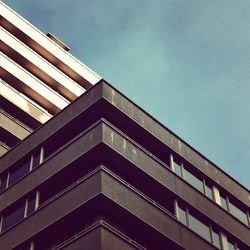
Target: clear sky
[{"x": 186, "y": 62}]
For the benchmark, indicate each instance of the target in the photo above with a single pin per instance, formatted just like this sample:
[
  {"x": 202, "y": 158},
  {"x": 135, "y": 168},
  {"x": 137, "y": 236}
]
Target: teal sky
[{"x": 186, "y": 62}]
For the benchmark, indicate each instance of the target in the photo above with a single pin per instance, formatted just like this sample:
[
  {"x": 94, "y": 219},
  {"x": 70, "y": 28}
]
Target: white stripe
[{"x": 48, "y": 44}]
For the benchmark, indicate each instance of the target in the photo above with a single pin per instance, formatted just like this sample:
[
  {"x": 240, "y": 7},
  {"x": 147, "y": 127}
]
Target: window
[
  {"x": 177, "y": 169},
  {"x": 234, "y": 210},
  {"x": 194, "y": 181},
  {"x": 35, "y": 160},
  {"x": 31, "y": 205},
  {"x": 20, "y": 171},
  {"x": 12, "y": 217},
  {"x": 216, "y": 239},
  {"x": 3, "y": 182},
  {"x": 188, "y": 176},
  {"x": 199, "y": 227},
  {"x": 196, "y": 225},
  {"x": 206, "y": 231},
  {"x": 205, "y": 187},
  {"x": 208, "y": 191},
  {"x": 182, "y": 216},
  {"x": 18, "y": 211},
  {"x": 223, "y": 202}
]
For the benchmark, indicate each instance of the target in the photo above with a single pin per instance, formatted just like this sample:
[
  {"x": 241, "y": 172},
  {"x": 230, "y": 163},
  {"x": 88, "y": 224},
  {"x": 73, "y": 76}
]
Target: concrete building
[{"x": 101, "y": 173}]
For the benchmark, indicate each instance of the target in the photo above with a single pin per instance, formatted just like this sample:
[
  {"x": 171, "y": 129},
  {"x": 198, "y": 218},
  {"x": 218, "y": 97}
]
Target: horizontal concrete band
[{"x": 120, "y": 147}]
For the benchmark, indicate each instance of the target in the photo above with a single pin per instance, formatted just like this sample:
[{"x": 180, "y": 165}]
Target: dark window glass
[
  {"x": 25, "y": 246},
  {"x": 216, "y": 239},
  {"x": 36, "y": 160},
  {"x": 238, "y": 213},
  {"x": 20, "y": 171},
  {"x": 223, "y": 202},
  {"x": 193, "y": 180},
  {"x": 209, "y": 192},
  {"x": 3, "y": 183},
  {"x": 177, "y": 169},
  {"x": 182, "y": 216},
  {"x": 200, "y": 228},
  {"x": 31, "y": 205},
  {"x": 13, "y": 217}
]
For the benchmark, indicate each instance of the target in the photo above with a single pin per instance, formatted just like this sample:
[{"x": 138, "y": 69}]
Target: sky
[{"x": 186, "y": 62}]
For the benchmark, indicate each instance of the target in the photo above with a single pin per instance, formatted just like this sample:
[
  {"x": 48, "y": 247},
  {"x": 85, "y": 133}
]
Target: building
[
  {"x": 38, "y": 78},
  {"x": 104, "y": 174}
]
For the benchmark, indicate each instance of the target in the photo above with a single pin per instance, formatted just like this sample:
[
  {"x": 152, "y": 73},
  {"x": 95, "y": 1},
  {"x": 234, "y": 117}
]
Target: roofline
[{"x": 104, "y": 81}]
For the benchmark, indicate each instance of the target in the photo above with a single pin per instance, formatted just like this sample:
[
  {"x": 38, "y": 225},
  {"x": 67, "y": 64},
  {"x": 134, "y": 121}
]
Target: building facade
[{"x": 104, "y": 174}]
